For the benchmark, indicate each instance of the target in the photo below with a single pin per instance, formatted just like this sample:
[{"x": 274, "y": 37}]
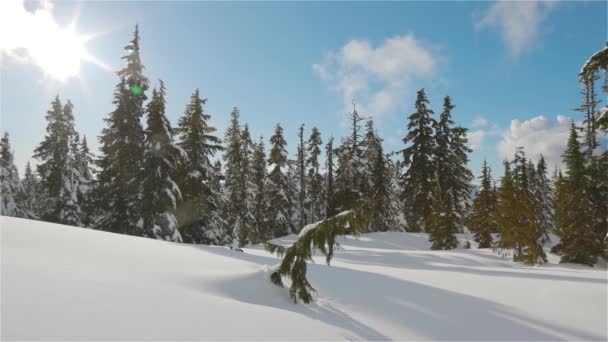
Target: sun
[
  {"x": 37, "y": 37},
  {"x": 59, "y": 54}
]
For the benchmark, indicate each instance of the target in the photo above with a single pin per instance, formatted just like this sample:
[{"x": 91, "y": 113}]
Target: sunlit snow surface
[{"x": 66, "y": 283}]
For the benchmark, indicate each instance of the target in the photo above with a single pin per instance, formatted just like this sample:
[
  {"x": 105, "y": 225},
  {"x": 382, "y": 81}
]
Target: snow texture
[{"x": 68, "y": 283}]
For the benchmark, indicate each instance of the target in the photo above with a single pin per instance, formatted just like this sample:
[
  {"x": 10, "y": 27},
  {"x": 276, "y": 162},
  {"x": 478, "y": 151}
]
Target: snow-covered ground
[{"x": 66, "y": 283}]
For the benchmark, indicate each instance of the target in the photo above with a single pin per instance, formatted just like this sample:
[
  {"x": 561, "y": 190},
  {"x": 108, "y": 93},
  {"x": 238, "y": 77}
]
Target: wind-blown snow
[{"x": 68, "y": 283}]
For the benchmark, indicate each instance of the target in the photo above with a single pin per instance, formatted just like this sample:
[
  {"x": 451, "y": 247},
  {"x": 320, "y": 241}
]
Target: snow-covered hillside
[{"x": 68, "y": 283}]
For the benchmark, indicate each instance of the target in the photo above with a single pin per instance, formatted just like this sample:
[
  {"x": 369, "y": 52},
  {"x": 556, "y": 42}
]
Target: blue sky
[{"x": 510, "y": 68}]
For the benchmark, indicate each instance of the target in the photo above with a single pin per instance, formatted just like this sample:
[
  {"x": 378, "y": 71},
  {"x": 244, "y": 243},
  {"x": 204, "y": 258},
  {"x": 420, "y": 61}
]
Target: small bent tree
[{"x": 320, "y": 235}]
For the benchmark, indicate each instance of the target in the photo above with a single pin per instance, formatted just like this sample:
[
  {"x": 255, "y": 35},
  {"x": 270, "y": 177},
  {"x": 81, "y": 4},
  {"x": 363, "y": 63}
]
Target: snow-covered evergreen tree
[
  {"x": 28, "y": 196},
  {"x": 542, "y": 198},
  {"x": 418, "y": 159},
  {"x": 201, "y": 203},
  {"x": 482, "y": 218},
  {"x": 57, "y": 168},
  {"x": 119, "y": 182},
  {"x": 350, "y": 176},
  {"x": 277, "y": 188},
  {"x": 330, "y": 196},
  {"x": 453, "y": 179},
  {"x": 301, "y": 217},
  {"x": 9, "y": 180},
  {"x": 162, "y": 155},
  {"x": 315, "y": 201},
  {"x": 579, "y": 243},
  {"x": 84, "y": 164},
  {"x": 236, "y": 213},
  {"x": 259, "y": 174},
  {"x": 248, "y": 228}
]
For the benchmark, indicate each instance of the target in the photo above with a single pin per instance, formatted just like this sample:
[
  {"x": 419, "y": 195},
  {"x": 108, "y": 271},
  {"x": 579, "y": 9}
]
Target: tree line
[{"x": 188, "y": 184}]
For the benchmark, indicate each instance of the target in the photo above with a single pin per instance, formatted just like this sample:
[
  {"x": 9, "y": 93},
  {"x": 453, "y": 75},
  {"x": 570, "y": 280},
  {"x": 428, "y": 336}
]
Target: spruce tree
[
  {"x": 71, "y": 194},
  {"x": 452, "y": 191},
  {"x": 315, "y": 189},
  {"x": 57, "y": 167},
  {"x": 249, "y": 234},
  {"x": 236, "y": 181},
  {"x": 482, "y": 219},
  {"x": 119, "y": 182},
  {"x": 277, "y": 188},
  {"x": 579, "y": 243},
  {"x": 84, "y": 164},
  {"x": 350, "y": 179},
  {"x": 28, "y": 196},
  {"x": 302, "y": 213},
  {"x": 259, "y": 179},
  {"x": 162, "y": 155},
  {"x": 9, "y": 180},
  {"x": 330, "y": 197},
  {"x": 195, "y": 213},
  {"x": 418, "y": 159}
]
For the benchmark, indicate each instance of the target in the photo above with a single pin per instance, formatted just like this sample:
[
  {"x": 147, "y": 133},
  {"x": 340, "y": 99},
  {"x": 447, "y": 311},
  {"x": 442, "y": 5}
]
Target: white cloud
[
  {"x": 518, "y": 21},
  {"x": 539, "y": 135},
  {"x": 479, "y": 121},
  {"x": 377, "y": 78}
]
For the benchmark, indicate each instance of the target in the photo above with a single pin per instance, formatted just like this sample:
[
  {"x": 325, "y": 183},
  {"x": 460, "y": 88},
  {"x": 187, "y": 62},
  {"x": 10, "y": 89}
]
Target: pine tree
[
  {"x": 259, "y": 179},
  {"x": 57, "y": 167},
  {"x": 418, "y": 158},
  {"x": 530, "y": 238},
  {"x": 579, "y": 243},
  {"x": 9, "y": 180},
  {"x": 70, "y": 211},
  {"x": 160, "y": 192},
  {"x": 236, "y": 181},
  {"x": 84, "y": 163},
  {"x": 350, "y": 179},
  {"x": 302, "y": 213},
  {"x": 277, "y": 189},
  {"x": 452, "y": 191},
  {"x": 330, "y": 197},
  {"x": 482, "y": 219},
  {"x": 201, "y": 203},
  {"x": 315, "y": 189},
  {"x": 249, "y": 233},
  {"x": 119, "y": 183},
  {"x": 28, "y": 197}
]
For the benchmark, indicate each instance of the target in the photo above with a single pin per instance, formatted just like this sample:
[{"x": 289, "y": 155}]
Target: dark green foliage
[
  {"x": 259, "y": 175},
  {"x": 322, "y": 236},
  {"x": 452, "y": 181},
  {"x": 119, "y": 182},
  {"x": 580, "y": 242},
  {"x": 314, "y": 185},
  {"x": 330, "y": 196},
  {"x": 277, "y": 189},
  {"x": 160, "y": 192},
  {"x": 350, "y": 180},
  {"x": 418, "y": 159},
  {"x": 482, "y": 219},
  {"x": 302, "y": 214},
  {"x": 198, "y": 211}
]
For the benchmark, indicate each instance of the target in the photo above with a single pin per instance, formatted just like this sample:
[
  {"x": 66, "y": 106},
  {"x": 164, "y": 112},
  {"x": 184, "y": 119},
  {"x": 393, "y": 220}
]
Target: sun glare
[{"x": 58, "y": 51}]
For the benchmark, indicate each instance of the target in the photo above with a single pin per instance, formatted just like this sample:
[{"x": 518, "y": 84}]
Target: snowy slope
[{"x": 65, "y": 283}]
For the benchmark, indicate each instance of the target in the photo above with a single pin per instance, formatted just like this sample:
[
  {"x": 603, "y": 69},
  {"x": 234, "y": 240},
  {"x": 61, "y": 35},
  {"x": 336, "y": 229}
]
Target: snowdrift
[{"x": 67, "y": 283}]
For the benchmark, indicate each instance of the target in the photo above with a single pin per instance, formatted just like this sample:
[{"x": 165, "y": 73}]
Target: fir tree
[
  {"x": 330, "y": 197},
  {"x": 259, "y": 179},
  {"x": 9, "y": 180},
  {"x": 119, "y": 183},
  {"x": 70, "y": 211},
  {"x": 453, "y": 180},
  {"x": 160, "y": 192},
  {"x": 200, "y": 202},
  {"x": 302, "y": 213},
  {"x": 277, "y": 189},
  {"x": 28, "y": 196},
  {"x": 84, "y": 163},
  {"x": 482, "y": 219},
  {"x": 57, "y": 168},
  {"x": 236, "y": 181},
  {"x": 418, "y": 158},
  {"x": 249, "y": 233},
  {"x": 573, "y": 210},
  {"x": 350, "y": 179},
  {"x": 315, "y": 189}
]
